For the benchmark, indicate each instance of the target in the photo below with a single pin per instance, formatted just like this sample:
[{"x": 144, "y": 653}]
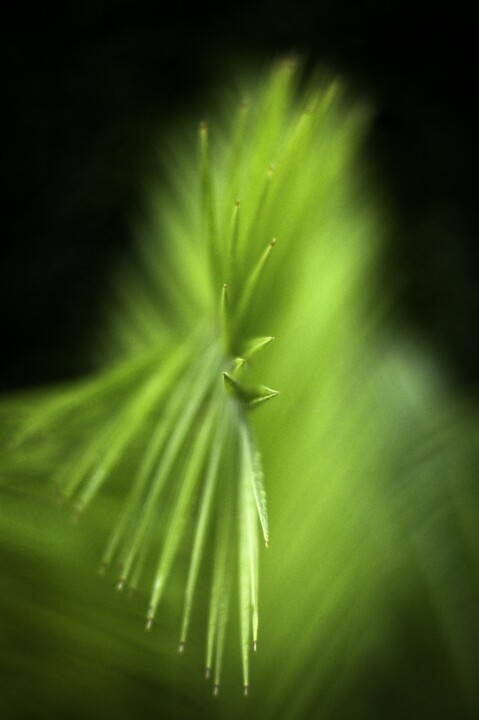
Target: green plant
[{"x": 270, "y": 232}]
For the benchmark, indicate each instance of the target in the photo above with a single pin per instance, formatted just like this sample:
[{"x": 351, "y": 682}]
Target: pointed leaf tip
[
  {"x": 255, "y": 345},
  {"x": 264, "y": 394},
  {"x": 238, "y": 363},
  {"x": 251, "y": 397}
]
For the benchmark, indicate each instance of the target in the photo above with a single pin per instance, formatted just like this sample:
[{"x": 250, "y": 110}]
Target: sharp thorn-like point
[
  {"x": 260, "y": 399},
  {"x": 181, "y": 647},
  {"x": 120, "y": 584},
  {"x": 207, "y": 673},
  {"x": 273, "y": 242},
  {"x": 216, "y": 690},
  {"x": 255, "y": 645},
  {"x": 256, "y": 345},
  {"x": 269, "y": 393},
  {"x": 230, "y": 382},
  {"x": 245, "y": 690}
]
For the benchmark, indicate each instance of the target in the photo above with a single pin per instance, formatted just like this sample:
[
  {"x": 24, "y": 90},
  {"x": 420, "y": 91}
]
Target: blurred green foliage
[{"x": 369, "y": 591}]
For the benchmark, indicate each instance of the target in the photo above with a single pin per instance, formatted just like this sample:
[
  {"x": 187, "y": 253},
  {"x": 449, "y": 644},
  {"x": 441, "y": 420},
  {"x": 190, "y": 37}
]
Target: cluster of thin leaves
[
  {"x": 186, "y": 410},
  {"x": 269, "y": 232}
]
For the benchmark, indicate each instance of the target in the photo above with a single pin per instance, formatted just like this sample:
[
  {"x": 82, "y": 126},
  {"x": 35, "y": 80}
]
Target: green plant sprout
[
  {"x": 189, "y": 408},
  {"x": 261, "y": 267}
]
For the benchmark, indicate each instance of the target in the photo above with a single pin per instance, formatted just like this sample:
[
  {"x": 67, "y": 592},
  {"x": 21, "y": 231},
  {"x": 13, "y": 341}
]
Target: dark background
[{"x": 89, "y": 85}]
